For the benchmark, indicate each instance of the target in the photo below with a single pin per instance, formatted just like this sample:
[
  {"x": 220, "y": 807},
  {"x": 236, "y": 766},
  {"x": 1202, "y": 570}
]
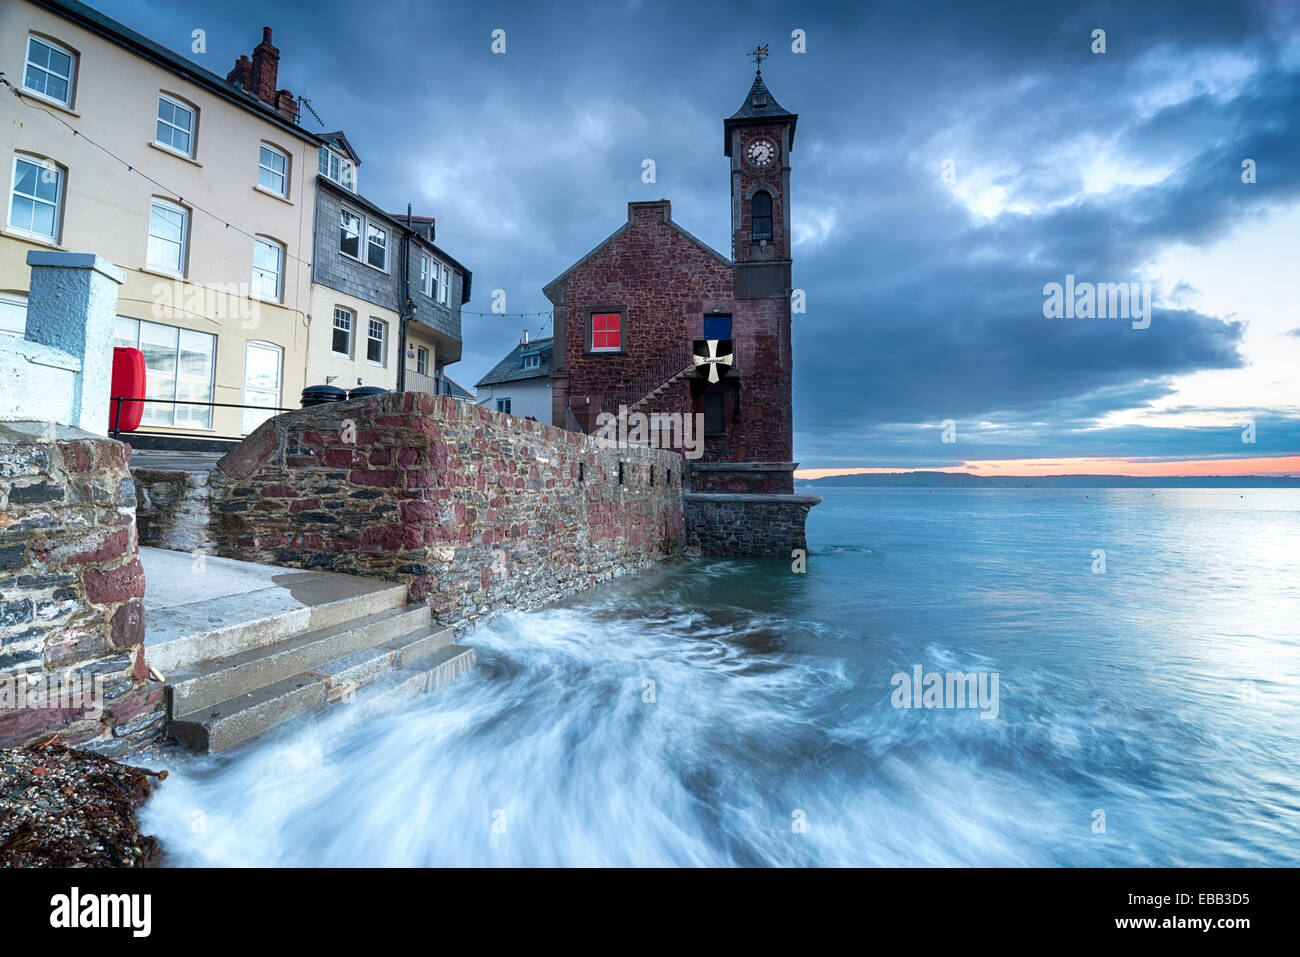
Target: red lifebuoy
[{"x": 128, "y": 382}]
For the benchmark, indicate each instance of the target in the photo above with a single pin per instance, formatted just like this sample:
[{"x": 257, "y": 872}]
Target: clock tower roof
[{"x": 760, "y": 107}]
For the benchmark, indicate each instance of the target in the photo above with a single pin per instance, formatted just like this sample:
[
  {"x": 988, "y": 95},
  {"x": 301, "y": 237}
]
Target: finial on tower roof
[{"x": 759, "y": 55}]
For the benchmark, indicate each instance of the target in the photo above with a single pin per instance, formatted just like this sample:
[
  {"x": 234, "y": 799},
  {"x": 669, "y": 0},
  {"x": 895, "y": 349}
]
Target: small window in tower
[{"x": 760, "y": 212}]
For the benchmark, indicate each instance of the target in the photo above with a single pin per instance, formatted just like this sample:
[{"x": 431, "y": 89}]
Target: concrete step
[
  {"x": 411, "y": 647},
  {"x": 227, "y": 723},
  {"x": 180, "y": 636},
  {"x": 344, "y": 676},
  {"x": 193, "y": 689},
  {"x": 392, "y": 690}
]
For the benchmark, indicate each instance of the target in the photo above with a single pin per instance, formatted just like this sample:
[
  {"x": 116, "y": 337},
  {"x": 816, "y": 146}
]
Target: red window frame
[{"x": 606, "y": 332}]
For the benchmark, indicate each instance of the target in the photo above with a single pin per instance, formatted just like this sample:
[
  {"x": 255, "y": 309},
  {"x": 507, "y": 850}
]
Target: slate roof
[
  {"x": 340, "y": 142},
  {"x": 96, "y": 22},
  {"x": 511, "y": 368},
  {"x": 760, "y": 106},
  {"x": 455, "y": 388}
]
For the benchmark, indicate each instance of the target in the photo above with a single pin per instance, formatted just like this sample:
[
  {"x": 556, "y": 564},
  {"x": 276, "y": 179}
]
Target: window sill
[
  {"x": 166, "y": 274},
  {"x": 270, "y": 302},
  {"x": 605, "y": 352},
  {"x": 176, "y": 153},
  {"x": 274, "y": 195},
  {"x": 344, "y": 186},
  {"x": 44, "y": 100},
  {"x": 363, "y": 262},
  {"x": 340, "y": 355},
  {"x": 38, "y": 238}
]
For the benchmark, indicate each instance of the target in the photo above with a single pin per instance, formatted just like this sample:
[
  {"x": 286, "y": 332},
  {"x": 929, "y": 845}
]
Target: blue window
[{"x": 717, "y": 327}]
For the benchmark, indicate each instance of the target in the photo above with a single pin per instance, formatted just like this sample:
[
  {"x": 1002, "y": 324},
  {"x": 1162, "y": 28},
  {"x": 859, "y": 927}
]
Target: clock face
[{"x": 761, "y": 152}]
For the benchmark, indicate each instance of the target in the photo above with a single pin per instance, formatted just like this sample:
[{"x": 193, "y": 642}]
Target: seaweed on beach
[{"x": 64, "y": 807}]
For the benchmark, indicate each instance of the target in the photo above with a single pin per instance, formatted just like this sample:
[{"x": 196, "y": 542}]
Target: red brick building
[{"x": 631, "y": 313}]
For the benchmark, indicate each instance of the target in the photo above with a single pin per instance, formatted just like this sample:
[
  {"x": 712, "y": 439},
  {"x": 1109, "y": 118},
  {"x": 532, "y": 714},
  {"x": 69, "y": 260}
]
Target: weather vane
[{"x": 759, "y": 55}]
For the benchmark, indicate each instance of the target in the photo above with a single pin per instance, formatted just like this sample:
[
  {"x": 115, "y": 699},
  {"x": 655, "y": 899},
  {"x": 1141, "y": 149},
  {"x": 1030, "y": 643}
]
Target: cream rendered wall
[
  {"x": 418, "y": 335},
  {"x": 105, "y": 207},
  {"x": 323, "y": 362}
]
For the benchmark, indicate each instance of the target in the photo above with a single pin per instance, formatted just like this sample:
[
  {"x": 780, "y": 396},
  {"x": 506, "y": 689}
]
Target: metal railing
[
  {"x": 420, "y": 382},
  {"x": 647, "y": 386},
  {"x": 122, "y": 400},
  {"x": 571, "y": 420},
  {"x": 667, "y": 368}
]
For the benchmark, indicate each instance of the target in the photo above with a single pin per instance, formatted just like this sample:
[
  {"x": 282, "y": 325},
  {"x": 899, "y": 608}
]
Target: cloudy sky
[{"x": 952, "y": 159}]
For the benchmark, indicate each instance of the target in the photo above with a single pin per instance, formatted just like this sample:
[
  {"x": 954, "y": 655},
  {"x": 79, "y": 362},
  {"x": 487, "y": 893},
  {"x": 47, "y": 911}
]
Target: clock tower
[{"x": 758, "y": 139}]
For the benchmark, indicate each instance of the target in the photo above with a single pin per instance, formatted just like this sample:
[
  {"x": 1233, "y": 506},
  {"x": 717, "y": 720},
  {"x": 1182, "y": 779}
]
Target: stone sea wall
[
  {"x": 475, "y": 510},
  {"x": 747, "y": 524},
  {"x": 71, "y": 584}
]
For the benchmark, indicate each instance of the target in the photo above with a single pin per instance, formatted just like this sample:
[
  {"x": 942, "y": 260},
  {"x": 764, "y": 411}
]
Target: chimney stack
[{"x": 258, "y": 76}]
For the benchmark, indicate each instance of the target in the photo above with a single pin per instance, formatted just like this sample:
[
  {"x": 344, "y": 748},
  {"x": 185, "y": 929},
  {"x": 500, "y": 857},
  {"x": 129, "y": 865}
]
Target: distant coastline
[{"x": 924, "y": 479}]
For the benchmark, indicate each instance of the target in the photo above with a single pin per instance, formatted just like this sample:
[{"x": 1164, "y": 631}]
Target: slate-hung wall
[
  {"x": 356, "y": 278},
  {"x": 344, "y": 273},
  {"x": 475, "y": 510},
  {"x": 71, "y": 585}
]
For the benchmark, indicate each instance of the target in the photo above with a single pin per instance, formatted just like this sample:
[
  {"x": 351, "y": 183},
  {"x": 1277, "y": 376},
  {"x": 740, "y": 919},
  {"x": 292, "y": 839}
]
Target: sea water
[{"x": 1146, "y": 645}]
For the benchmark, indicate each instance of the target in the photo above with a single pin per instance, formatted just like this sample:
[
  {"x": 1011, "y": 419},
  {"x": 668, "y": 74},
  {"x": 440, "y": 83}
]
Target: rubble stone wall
[
  {"x": 475, "y": 510},
  {"x": 71, "y": 584}
]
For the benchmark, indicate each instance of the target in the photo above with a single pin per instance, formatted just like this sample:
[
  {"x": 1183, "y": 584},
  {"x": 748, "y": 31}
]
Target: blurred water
[{"x": 1164, "y": 693}]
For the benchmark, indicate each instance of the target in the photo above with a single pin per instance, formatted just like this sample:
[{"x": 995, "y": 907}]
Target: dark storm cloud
[{"x": 919, "y": 309}]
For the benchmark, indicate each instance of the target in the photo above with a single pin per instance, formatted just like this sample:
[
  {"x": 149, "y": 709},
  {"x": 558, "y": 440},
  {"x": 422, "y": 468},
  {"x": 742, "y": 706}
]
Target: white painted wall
[{"x": 529, "y": 397}]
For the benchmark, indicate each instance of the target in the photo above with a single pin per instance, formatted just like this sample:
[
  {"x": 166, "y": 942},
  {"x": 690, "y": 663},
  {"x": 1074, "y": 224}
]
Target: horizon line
[{"x": 1283, "y": 466}]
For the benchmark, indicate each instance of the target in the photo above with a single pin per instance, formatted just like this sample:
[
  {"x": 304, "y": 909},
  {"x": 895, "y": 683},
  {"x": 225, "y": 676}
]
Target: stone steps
[
  {"x": 432, "y": 672},
  {"x": 385, "y": 673},
  {"x": 376, "y": 697},
  {"x": 194, "y": 688},
  {"x": 244, "y": 647},
  {"x": 181, "y": 636}
]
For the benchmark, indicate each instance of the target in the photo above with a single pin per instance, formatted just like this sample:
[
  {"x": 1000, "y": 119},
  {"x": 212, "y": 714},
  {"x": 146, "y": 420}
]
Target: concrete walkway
[{"x": 199, "y": 607}]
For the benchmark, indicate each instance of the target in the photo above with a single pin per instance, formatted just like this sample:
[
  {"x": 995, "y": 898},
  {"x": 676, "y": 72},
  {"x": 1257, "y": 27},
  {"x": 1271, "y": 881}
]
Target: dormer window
[
  {"x": 760, "y": 212},
  {"x": 533, "y": 361},
  {"x": 338, "y": 167}
]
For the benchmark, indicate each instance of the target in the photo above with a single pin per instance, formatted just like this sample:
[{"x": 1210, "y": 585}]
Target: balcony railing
[{"x": 419, "y": 382}]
